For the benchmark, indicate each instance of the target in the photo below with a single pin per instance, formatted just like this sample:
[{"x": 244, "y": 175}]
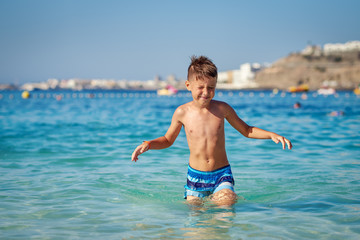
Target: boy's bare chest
[{"x": 207, "y": 125}]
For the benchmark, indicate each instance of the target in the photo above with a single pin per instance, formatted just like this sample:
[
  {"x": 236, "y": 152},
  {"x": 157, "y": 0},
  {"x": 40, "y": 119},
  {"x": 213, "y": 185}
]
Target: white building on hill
[
  {"x": 331, "y": 48},
  {"x": 239, "y": 78}
]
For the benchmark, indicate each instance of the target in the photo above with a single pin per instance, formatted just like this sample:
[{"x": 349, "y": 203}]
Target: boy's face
[{"x": 202, "y": 90}]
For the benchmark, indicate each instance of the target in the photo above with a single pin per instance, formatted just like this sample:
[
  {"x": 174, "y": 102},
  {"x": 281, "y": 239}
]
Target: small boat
[
  {"x": 300, "y": 88},
  {"x": 167, "y": 91},
  {"x": 326, "y": 91}
]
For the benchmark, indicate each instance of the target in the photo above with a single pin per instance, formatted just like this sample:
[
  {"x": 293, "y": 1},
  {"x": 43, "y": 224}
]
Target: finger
[
  {"x": 282, "y": 142},
  {"x": 135, "y": 154},
  {"x": 288, "y": 143},
  {"x": 134, "y": 157},
  {"x": 276, "y": 140},
  {"x": 139, "y": 150}
]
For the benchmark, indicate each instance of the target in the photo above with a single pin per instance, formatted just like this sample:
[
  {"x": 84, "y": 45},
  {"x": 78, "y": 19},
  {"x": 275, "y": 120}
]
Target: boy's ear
[{"x": 187, "y": 84}]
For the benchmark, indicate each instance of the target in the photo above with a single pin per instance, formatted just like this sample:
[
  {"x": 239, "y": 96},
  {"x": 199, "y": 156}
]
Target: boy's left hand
[
  {"x": 277, "y": 138},
  {"x": 139, "y": 150}
]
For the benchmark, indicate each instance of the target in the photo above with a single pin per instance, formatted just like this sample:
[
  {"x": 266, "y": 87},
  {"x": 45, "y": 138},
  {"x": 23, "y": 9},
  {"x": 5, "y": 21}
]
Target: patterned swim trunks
[{"x": 202, "y": 184}]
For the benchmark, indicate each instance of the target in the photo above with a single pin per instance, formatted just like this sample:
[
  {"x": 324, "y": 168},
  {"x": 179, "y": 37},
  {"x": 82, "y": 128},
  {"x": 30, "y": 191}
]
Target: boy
[{"x": 209, "y": 172}]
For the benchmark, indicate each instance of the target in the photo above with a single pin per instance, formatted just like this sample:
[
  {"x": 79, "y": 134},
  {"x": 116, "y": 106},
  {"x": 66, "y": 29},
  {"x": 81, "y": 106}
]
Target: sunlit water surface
[{"x": 65, "y": 169}]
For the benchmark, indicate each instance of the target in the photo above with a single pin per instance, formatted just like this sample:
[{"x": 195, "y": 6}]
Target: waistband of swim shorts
[{"x": 209, "y": 172}]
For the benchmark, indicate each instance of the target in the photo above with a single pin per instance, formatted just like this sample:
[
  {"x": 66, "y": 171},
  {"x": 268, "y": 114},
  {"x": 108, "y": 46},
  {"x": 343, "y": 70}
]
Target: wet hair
[{"x": 201, "y": 67}]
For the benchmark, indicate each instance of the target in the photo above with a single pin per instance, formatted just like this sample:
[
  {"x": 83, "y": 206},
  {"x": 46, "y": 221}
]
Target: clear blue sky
[{"x": 138, "y": 39}]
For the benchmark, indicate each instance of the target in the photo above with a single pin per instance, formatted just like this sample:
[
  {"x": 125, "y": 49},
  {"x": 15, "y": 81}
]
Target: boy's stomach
[{"x": 208, "y": 164}]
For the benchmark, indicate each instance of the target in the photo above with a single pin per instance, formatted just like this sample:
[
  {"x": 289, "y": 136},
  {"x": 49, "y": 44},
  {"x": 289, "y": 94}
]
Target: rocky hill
[{"x": 340, "y": 71}]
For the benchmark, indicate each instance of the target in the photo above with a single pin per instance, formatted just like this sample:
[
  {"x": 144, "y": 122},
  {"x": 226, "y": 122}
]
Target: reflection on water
[
  {"x": 65, "y": 168},
  {"x": 209, "y": 221}
]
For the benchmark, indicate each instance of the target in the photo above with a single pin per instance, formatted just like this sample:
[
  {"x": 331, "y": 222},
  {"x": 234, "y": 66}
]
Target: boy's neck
[{"x": 201, "y": 107}]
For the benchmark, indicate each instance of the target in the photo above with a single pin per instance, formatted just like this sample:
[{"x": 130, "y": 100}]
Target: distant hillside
[{"x": 341, "y": 71}]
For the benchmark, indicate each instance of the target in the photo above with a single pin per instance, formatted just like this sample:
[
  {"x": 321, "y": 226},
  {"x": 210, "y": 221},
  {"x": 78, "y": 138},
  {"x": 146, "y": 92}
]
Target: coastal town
[
  {"x": 235, "y": 79},
  {"x": 330, "y": 64}
]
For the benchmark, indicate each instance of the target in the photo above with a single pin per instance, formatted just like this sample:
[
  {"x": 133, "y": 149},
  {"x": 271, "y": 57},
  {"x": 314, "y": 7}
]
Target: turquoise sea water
[{"x": 65, "y": 169}]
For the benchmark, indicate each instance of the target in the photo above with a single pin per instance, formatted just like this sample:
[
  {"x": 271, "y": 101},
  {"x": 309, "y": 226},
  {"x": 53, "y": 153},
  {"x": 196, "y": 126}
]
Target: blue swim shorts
[{"x": 202, "y": 184}]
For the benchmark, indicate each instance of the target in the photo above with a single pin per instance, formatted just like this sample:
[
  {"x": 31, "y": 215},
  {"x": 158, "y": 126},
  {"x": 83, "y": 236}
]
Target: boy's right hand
[
  {"x": 277, "y": 138},
  {"x": 139, "y": 150}
]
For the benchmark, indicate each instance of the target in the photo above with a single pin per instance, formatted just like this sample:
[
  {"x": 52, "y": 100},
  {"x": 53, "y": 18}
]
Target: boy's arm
[
  {"x": 252, "y": 132},
  {"x": 164, "y": 141}
]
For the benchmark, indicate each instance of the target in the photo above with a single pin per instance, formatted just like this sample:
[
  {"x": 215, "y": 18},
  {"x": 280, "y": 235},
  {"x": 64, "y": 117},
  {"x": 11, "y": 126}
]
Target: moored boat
[
  {"x": 300, "y": 88},
  {"x": 167, "y": 91}
]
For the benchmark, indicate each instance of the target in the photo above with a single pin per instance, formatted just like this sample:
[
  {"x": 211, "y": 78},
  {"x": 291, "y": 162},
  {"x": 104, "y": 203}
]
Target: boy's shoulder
[
  {"x": 222, "y": 107},
  {"x": 220, "y": 104},
  {"x": 184, "y": 106},
  {"x": 182, "y": 109}
]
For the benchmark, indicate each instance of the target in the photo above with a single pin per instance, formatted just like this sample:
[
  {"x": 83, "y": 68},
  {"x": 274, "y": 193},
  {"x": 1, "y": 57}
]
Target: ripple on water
[{"x": 65, "y": 168}]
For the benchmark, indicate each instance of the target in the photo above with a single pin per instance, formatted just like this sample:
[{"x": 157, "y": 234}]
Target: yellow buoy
[
  {"x": 25, "y": 94},
  {"x": 357, "y": 91}
]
